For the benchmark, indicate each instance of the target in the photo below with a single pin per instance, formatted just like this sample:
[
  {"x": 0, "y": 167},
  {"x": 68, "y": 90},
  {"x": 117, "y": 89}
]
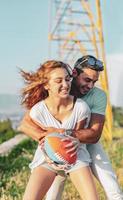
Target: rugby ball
[{"x": 55, "y": 150}]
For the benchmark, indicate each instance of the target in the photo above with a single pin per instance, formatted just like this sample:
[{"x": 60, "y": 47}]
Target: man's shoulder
[
  {"x": 96, "y": 99},
  {"x": 97, "y": 90},
  {"x": 97, "y": 94}
]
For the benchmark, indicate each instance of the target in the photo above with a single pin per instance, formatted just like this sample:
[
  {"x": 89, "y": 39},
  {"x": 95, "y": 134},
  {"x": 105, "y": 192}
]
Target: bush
[
  {"x": 5, "y": 125},
  {"x": 6, "y": 131},
  {"x": 118, "y": 116}
]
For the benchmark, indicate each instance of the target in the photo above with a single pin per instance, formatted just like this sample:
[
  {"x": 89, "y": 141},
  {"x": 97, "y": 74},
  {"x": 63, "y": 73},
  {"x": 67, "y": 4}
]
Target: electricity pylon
[{"x": 76, "y": 29}]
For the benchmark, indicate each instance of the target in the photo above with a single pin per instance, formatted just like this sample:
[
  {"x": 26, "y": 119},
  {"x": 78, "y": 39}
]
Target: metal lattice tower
[{"x": 76, "y": 30}]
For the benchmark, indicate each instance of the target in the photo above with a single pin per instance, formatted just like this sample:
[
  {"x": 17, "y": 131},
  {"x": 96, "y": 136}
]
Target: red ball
[{"x": 55, "y": 149}]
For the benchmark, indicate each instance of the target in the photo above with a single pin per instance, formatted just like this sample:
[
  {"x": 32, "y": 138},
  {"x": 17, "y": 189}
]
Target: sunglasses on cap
[{"x": 92, "y": 63}]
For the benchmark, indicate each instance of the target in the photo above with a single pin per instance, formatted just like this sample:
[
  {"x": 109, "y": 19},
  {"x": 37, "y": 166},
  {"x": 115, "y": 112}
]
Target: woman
[{"x": 47, "y": 94}]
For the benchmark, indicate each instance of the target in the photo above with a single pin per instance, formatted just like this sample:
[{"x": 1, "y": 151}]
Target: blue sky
[{"x": 23, "y": 40}]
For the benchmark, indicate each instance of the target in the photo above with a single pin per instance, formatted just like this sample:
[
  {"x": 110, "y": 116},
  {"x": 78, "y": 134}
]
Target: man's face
[{"x": 86, "y": 80}]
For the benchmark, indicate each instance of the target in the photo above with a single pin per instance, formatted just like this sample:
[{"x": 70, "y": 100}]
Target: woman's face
[{"x": 59, "y": 83}]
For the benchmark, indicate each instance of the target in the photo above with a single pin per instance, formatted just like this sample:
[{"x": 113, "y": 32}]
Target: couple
[{"x": 50, "y": 86}]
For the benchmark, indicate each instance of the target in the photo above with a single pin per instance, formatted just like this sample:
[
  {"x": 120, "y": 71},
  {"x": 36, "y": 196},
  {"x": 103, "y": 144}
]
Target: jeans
[{"x": 102, "y": 170}]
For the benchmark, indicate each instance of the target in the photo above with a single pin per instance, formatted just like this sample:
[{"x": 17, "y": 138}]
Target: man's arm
[
  {"x": 35, "y": 130},
  {"x": 93, "y": 133},
  {"x": 30, "y": 128}
]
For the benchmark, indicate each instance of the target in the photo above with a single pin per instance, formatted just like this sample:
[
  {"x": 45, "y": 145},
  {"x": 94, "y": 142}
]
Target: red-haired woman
[{"x": 47, "y": 95}]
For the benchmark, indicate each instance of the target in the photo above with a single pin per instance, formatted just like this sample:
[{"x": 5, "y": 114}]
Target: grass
[{"x": 14, "y": 170}]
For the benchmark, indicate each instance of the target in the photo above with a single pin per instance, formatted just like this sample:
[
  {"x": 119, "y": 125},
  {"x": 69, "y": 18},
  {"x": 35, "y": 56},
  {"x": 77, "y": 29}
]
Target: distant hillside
[{"x": 10, "y": 103}]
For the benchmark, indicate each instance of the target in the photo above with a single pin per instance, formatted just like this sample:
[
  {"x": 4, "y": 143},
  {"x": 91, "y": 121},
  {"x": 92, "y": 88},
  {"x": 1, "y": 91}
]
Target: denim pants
[{"x": 102, "y": 170}]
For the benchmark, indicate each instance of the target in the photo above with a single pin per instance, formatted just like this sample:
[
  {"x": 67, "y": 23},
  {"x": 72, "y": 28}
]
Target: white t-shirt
[{"x": 40, "y": 113}]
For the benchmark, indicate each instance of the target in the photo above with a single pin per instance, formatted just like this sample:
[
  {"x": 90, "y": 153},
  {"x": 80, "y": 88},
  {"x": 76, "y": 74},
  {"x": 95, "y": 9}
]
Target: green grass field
[{"x": 14, "y": 171}]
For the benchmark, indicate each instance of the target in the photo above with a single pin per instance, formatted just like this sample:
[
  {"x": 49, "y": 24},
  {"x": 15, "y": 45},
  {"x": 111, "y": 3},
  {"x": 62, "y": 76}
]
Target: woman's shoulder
[
  {"x": 82, "y": 105},
  {"x": 80, "y": 101},
  {"x": 37, "y": 110},
  {"x": 38, "y": 105}
]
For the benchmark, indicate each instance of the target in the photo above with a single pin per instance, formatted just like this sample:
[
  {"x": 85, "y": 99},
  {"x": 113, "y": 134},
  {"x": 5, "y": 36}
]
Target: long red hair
[{"x": 34, "y": 90}]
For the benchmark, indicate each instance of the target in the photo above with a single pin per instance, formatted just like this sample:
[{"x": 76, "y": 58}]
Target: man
[{"x": 87, "y": 71}]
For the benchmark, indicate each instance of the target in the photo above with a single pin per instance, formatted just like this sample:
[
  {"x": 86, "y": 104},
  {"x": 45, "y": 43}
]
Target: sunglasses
[{"x": 93, "y": 64}]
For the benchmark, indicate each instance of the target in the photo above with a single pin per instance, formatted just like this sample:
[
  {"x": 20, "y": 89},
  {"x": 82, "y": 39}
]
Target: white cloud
[{"x": 115, "y": 77}]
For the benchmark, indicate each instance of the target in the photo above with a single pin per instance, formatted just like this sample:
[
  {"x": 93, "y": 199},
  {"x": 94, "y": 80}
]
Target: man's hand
[{"x": 73, "y": 145}]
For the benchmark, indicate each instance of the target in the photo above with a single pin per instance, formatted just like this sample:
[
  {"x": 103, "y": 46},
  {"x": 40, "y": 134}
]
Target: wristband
[{"x": 68, "y": 132}]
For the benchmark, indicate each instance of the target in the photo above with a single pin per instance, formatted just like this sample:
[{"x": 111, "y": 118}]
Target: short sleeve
[
  {"x": 99, "y": 103},
  {"x": 35, "y": 113}
]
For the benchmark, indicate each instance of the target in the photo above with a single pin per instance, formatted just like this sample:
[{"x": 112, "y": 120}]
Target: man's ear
[
  {"x": 79, "y": 71},
  {"x": 46, "y": 86}
]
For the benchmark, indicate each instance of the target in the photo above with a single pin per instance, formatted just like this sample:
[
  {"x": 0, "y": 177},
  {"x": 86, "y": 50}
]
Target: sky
[{"x": 24, "y": 43}]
